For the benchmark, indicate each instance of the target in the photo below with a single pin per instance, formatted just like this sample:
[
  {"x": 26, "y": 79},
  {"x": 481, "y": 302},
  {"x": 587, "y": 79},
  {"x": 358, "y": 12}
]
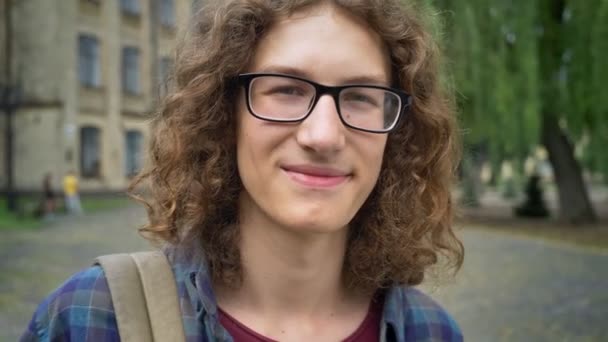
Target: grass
[
  {"x": 587, "y": 236},
  {"x": 9, "y": 220},
  {"x": 94, "y": 204},
  {"x": 90, "y": 204},
  {"x": 496, "y": 214},
  {"x": 594, "y": 236}
]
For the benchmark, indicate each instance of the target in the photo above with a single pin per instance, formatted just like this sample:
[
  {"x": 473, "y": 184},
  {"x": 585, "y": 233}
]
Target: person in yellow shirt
[{"x": 70, "y": 191}]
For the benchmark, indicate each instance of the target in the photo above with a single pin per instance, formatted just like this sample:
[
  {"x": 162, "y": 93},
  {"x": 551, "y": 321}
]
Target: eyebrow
[{"x": 359, "y": 79}]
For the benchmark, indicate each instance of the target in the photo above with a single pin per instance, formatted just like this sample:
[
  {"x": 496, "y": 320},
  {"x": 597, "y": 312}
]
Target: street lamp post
[{"x": 10, "y": 100}]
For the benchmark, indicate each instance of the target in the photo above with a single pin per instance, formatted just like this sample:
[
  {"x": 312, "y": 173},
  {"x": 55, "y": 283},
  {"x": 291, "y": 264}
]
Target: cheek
[
  {"x": 240, "y": 115},
  {"x": 245, "y": 144},
  {"x": 256, "y": 145},
  {"x": 244, "y": 141},
  {"x": 374, "y": 154}
]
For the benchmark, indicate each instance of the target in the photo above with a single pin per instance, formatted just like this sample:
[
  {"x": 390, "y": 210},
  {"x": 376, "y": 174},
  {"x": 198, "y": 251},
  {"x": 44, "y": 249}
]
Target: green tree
[
  {"x": 531, "y": 71},
  {"x": 491, "y": 53},
  {"x": 585, "y": 82},
  {"x": 575, "y": 205}
]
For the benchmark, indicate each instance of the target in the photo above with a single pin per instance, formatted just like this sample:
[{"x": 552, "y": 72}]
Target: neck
[
  {"x": 292, "y": 271},
  {"x": 288, "y": 272}
]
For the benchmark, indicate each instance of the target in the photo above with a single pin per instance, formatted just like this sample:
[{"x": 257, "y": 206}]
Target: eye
[
  {"x": 360, "y": 98},
  {"x": 287, "y": 90}
]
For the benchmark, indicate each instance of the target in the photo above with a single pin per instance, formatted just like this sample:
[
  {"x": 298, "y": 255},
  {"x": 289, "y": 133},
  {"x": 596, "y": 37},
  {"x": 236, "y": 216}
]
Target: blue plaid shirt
[{"x": 81, "y": 310}]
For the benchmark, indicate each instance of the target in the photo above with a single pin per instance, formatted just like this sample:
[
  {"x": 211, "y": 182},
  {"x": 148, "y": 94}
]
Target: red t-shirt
[{"x": 368, "y": 331}]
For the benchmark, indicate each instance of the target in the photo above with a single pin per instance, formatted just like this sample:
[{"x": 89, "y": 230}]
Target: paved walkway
[
  {"x": 34, "y": 262},
  {"x": 510, "y": 289},
  {"x": 517, "y": 289}
]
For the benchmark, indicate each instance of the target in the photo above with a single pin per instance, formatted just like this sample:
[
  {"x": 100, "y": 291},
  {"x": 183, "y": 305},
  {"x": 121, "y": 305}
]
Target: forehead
[{"x": 326, "y": 43}]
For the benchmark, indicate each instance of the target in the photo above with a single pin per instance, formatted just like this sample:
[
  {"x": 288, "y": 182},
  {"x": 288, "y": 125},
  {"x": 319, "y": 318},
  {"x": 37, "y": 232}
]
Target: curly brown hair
[{"x": 192, "y": 183}]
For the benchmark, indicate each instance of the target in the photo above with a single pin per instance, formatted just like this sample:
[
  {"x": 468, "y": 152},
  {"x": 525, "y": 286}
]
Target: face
[{"x": 311, "y": 176}]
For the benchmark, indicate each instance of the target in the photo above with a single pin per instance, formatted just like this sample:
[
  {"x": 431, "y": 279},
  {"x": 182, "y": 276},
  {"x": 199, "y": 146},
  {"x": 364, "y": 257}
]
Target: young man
[{"x": 300, "y": 180}]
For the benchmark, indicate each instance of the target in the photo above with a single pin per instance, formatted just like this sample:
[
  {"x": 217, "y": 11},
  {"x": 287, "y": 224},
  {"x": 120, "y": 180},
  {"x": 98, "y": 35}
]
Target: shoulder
[
  {"x": 80, "y": 309},
  {"x": 425, "y": 320}
]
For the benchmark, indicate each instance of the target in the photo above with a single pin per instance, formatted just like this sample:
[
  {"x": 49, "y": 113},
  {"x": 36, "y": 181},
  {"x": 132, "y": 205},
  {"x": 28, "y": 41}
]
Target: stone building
[{"x": 91, "y": 74}]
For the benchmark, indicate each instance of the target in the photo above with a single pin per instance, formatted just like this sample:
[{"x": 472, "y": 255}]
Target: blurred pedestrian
[
  {"x": 71, "y": 193},
  {"x": 300, "y": 183},
  {"x": 49, "y": 197}
]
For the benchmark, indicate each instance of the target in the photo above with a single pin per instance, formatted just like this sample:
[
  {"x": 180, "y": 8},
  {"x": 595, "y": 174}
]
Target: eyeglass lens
[{"x": 287, "y": 99}]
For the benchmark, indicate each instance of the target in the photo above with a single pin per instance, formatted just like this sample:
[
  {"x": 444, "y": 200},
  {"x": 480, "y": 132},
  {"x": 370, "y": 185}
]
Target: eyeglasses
[{"x": 286, "y": 98}]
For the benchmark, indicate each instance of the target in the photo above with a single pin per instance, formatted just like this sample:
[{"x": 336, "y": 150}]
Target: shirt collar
[
  {"x": 393, "y": 314},
  {"x": 191, "y": 269}
]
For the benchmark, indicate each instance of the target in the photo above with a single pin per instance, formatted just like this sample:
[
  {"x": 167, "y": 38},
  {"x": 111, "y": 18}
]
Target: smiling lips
[{"x": 316, "y": 177}]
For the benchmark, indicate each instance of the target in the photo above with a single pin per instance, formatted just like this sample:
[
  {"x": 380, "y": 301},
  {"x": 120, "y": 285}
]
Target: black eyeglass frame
[{"x": 320, "y": 90}]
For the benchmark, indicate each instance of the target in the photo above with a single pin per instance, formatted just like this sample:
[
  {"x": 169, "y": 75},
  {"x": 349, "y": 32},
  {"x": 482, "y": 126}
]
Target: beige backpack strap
[
  {"x": 145, "y": 297},
  {"x": 161, "y": 296},
  {"x": 127, "y": 297}
]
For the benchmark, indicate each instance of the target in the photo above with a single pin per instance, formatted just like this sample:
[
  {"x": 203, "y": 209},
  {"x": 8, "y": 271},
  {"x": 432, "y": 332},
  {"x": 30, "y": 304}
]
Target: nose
[{"x": 322, "y": 131}]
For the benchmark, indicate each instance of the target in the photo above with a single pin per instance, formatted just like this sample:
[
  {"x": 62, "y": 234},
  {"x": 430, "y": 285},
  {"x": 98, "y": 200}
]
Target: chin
[
  {"x": 314, "y": 223},
  {"x": 314, "y": 229}
]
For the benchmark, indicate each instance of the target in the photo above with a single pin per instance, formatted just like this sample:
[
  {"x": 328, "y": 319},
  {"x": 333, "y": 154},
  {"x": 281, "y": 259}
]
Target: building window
[
  {"x": 133, "y": 154},
  {"x": 130, "y": 70},
  {"x": 88, "y": 61},
  {"x": 165, "y": 64},
  {"x": 90, "y": 161},
  {"x": 167, "y": 13},
  {"x": 130, "y": 7}
]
